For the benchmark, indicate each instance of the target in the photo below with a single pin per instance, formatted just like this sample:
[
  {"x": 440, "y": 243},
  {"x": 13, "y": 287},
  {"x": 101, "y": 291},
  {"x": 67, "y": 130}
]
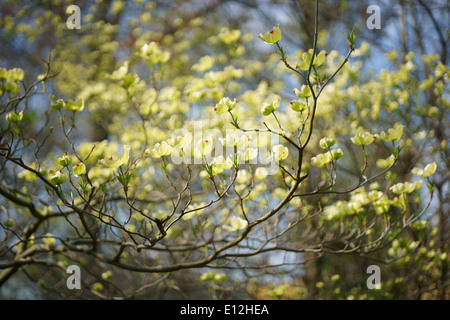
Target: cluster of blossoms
[
  {"x": 9, "y": 84},
  {"x": 360, "y": 139},
  {"x": 380, "y": 201},
  {"x": 9, "y": 80},
  {"x": 242, "y": 151},
  {"x": 239, "y": 149},
  {"x": 322, "y": 159},
  {"x": 59, "y": 178},
  {"x": 70, "y": 105},
  {"x": 181, "y": 146},
  {"x": 409, "y": 187}
]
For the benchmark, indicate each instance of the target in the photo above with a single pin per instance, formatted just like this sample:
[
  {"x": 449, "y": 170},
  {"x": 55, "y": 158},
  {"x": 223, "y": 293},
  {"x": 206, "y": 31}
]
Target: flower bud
[
  {"x": 269, "y": 108},
  {"x": 74, "y": 106},
  {"x": 393, "y": 134},
  {"x": 116, "y": 159},
  {"x": 280, "y": 152},
  {"x": 266, "y": 109},
  {"x": 236, "y": 224},
  {"x": 225, "y": 105},
  {"x": 160, "y": 150},
  {"x": 336, "y": 154},
  {"x": 58, "y": 105},
  {"x": 321, "y": 159},
  {"x": 65, "y": 160},
  {"x": 208, "y": 276},
  {"x": 107, "y": 275},
  {"x": 153, "y": 54},
  {"x": 406, "y": 187},
  {"x": 79, "y": 169},
  {"x": 129, "y": 80},
  {"x": 16, "y": 74},
  {"x": 57, "y": 178},
  {"x": 335, "y": 278},
  {"x": 326, "y": 143},
  {"x": 220, "y": 164},
  {"x": 14, "y": 116},
  {"x": 249, "y": 154},
  {"x": 230, "y": 140},
  {"x": 220, "y": 277},
  {"x": 297, "y": 106},
  {"x": 244, "y": 142},
  {"x": 363, "y": 139},
  {"x": 425, "y": 172},
  {"x": 304, "y": 92},
  {"x": 11, "y": 86},
  {"x": 203, "y": 147},
  {"x": 305, "y": 62}
]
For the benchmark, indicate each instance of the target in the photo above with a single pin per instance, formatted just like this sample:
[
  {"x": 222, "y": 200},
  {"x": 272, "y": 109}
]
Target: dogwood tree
[{"x": 203, "y": 158}]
